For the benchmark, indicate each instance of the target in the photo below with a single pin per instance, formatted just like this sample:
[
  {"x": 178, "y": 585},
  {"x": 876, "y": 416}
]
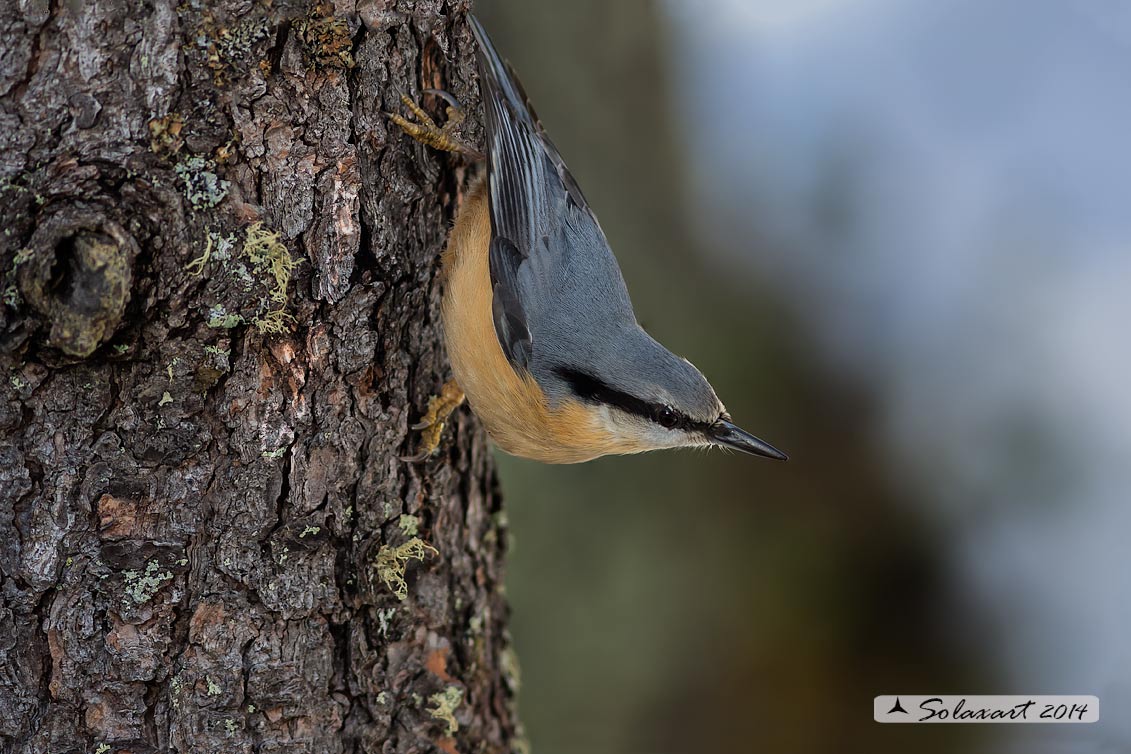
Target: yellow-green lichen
[
  {"x": 212, "y": 687},
  {"x": 392, "y": 562},
  {"x": 263, "y": 261},
  {"x": 165, "y": 399},
  {"x": 11, "y": 293},
  {"x": 309, "y": 531},
  {"x": 219, "y": 317},
  {"x": 102, "y": 748},
  {"x": 446, "y": 703},
  {"x": 269, "y": 258},
  {"x": 216, "y": 248},
  {"x": 196, "y": 266},
  {"x": 143, "y": 586},
  {"x": 410, "y": 525},
  {"x": 273, "y": 322}
]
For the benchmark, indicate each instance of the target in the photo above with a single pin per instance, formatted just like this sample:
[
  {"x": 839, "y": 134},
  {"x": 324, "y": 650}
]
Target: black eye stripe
[{"x": 589, "y": 388}]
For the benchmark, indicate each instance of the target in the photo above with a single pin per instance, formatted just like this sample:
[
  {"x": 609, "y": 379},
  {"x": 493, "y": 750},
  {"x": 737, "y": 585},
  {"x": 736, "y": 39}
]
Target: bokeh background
[{"x": 896, "y": 235}]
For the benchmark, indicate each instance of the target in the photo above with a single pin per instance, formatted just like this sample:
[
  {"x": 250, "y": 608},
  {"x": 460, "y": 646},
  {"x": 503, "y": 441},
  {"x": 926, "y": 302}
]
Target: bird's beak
[{"x": 726, "y": 433}]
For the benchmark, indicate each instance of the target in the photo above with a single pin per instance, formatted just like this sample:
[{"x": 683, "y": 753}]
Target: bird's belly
[{"x": 511, "y": 406}]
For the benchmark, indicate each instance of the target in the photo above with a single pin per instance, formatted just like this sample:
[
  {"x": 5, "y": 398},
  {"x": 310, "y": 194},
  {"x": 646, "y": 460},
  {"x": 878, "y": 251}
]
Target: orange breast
[{"x": 511, "y": 405}]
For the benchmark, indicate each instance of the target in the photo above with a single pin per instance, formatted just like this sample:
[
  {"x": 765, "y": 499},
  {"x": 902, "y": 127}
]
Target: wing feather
[{"x": 531, "y": 195}]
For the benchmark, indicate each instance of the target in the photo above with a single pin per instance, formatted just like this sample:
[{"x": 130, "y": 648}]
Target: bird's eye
[{"x": 667, "y": 417}]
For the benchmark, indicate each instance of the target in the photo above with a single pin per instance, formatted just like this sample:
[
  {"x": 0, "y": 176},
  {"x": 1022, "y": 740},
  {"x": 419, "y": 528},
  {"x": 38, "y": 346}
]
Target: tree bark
[{"x": 219, "y": 320}]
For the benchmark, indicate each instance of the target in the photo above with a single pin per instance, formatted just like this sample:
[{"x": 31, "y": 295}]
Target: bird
[{"x": 538, "y": 325}]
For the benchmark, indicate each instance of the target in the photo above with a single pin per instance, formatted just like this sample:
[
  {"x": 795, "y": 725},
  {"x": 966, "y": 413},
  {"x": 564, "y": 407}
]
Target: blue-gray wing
[{"x": 551, "y": 269}]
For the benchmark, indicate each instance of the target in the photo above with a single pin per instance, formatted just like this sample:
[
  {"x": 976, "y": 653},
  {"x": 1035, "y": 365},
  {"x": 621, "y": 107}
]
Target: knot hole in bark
[{"x": 78, "y": 277}]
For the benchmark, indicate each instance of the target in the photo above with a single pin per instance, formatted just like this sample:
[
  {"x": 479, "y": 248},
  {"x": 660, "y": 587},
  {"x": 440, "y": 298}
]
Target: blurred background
[{"x": 896, "y": 235}]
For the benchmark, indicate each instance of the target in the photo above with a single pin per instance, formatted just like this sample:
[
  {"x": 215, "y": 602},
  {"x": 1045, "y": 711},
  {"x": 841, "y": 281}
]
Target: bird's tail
[
  {"x": 514, "y": 134},
  {"x": 500, "y": 86}
]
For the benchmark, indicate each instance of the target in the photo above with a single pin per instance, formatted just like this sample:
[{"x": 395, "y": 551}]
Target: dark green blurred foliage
[{"x": 684, "y": 603}]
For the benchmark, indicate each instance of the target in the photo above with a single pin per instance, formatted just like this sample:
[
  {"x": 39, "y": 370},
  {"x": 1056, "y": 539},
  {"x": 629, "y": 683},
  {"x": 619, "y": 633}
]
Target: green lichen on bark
[
  {"x": 203, "y": 188},
  {"x": 142, "y": 586},
  {"x": 444, "y": 707},
  {"x": 273, "y": 263},
  {"x": 409, "y": 524},
  {"x": 271, "y": 267},
  {"x": 392, "y": 562}
]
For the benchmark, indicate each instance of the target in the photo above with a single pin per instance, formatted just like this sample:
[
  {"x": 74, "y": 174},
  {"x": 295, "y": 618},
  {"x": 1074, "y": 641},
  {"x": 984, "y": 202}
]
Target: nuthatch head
[{"x": 538, "y": 323}]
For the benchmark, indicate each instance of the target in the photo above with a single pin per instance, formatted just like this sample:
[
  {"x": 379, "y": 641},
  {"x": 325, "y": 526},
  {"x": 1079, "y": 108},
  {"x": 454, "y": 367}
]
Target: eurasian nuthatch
[{"x": 539, "y": 327}]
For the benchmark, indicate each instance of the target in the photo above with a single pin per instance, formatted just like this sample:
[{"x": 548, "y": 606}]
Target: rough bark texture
[{"x": 219, "y": 274}]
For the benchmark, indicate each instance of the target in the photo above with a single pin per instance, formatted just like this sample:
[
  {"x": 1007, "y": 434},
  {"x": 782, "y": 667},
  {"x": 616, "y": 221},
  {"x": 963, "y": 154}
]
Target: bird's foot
[
  {"x": 431, "y": 425},
  {"x": 427, "y": 132}
]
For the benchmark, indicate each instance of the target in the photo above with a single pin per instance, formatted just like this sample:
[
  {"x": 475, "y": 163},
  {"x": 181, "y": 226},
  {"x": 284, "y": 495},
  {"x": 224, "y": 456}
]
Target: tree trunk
[{"x": 219, "y": 319}]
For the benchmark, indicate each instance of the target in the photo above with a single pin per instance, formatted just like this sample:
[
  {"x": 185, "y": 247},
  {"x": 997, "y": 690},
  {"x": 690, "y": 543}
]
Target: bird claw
[
  {"x": 431, "y": 425},
  {"x": 448, "y": 97},
  {"x": 427, "y": 132}
]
